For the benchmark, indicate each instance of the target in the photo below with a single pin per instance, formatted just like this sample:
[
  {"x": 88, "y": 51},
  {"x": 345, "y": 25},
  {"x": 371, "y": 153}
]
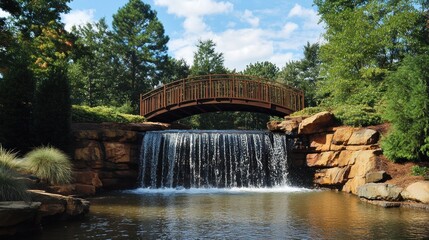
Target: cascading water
[{"x": 218, "y": 159}]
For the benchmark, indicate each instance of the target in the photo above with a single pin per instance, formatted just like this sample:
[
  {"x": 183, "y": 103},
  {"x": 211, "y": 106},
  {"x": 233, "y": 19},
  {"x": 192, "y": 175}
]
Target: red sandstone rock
[
  {"x": 316, "y": 123},
  {"x": 90, "y": 151},
  {"x": 118, "y": 152},
  {"x": 333, "y": 176},
  {"x": 87, "y": 177},
  {"x": 85, "y": 190}
]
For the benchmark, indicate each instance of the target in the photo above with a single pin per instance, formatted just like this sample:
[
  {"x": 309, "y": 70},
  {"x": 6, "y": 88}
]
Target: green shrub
[
  {"x": 407, "y": 109},
  {"x": 49, "y": 164},
  {"x": 308, "y": 111},
  {"x": 8, "y": 159},
  {"x": 102, "y": 114},
  {"x": 11, "y": 189},
  {"x": 419, "y": 171},
  {"x": 357, "y": 115}
]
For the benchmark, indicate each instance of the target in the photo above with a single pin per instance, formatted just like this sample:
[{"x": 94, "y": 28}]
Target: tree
[
  {"x": 407, "y": 108},
  {"x": 304, "y": 74},
  {"x": 17, "y": 97},
  {"x": 175, "y": 70},
  {"x": 141, "y": 46},
  {"x": 249, "y": 120},
  {"x": 207, "y": 60},
  {"x": 42, "y": 47},
  {"x": 365, "y": 40},
  {"x": 91, "y": 74}
]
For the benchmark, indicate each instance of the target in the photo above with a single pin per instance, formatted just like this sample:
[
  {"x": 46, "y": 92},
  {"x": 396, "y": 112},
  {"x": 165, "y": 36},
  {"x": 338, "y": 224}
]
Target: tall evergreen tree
[
  {"x": 141, "y": 45},
  {"x": 303, "y": 74},
  {"x": 91, "y": 74},
  {"x": 207, "y": 60}
]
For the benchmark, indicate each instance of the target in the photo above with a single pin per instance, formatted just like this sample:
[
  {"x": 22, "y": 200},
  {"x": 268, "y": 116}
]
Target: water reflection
[{"x": 241, "y": 214}]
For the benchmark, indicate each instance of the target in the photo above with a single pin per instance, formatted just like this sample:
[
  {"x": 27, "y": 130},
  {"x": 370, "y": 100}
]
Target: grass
[
  {"x": 49, "y": 164},
  {"x": 8, "y": 159},
  {"x": 11, "y": 189},
  {"x": 85, "y": 114}
]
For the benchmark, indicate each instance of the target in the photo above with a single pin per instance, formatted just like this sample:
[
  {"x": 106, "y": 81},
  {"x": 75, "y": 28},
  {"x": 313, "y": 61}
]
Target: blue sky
[{"x": 245, "y": 31}]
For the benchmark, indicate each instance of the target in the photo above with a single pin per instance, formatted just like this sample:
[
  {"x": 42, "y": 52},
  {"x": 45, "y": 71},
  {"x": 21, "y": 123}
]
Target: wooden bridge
[{"x": 224, "y": 92}]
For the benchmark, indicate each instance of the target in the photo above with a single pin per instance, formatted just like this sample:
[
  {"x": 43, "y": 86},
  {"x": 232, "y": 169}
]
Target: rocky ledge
[
  {"x": 349, "y": 159},
  {"x": 23, "y": 218}
]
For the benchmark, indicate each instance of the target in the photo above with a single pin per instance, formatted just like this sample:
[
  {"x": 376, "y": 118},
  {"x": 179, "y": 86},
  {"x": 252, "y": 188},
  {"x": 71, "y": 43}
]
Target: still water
[{"x": 240, "y": 213}]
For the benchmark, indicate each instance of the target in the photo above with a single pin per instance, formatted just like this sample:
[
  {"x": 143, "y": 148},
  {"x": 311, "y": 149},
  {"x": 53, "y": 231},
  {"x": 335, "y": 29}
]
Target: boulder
[
  {"x": 418, "y": 191},
  {"x": 352, "y": 185},
  {"x": 374, "y": 177},
  {"x": 347, "y": 158},
  {"x": 89, "y": 151},
  {"x": 322, "y": 160},
  {"x": 59, "y": 205},
  {"x": 291, "y": 124},
  {"x": 86, "y": 134},
  {"x": 332, "y": 176},
  {"x": 342, "y": 135},
  {"x": 380, "y": 191},
  {"x": 114, "y": 135},
  {"x": 118, "y": 152},
  {"x": 320, "y": 142},
  {"x": 85, "y": 189},
  {"x": 316, "y": 122},
  {"x": 274, "y": 126},
  {"x": 364, "y": 136},
  {"x": 13, "y": 213},
  {"x": 87, "y": 177},
  {"x": 364, "y": 162}
]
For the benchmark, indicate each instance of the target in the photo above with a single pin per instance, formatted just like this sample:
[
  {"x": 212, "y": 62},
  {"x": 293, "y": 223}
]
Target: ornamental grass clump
[
  {"x": 49, "y": 164},
  {"x": 11, "y": 189},
  {"x": 8, "y": 159}
]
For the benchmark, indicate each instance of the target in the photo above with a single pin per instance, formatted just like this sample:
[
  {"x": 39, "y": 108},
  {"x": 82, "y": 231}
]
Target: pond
[{"x": 239, "y": 213}]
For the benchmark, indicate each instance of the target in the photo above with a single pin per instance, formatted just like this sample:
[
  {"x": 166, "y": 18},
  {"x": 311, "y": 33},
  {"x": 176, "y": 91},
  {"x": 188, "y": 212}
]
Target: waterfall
[{"x": 220, "y": 159}]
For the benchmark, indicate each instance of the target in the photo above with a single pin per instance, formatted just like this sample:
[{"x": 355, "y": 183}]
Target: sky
[{"x": 245, "y": 31}]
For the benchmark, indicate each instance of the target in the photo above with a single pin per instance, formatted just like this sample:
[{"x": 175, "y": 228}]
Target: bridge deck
[{"x": 223, "y": 92}]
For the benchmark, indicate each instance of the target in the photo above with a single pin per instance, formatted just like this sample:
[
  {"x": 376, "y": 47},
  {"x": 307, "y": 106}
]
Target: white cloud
[
  {"x": 4, "y": 14},
  {"x": 78, "y": 18},
  {"x": 288, "y": 29},
  {"x": 185, "y": 8},
  {"x": 274, "y": 42},
  {"x": 248, "y": 17},
  {"x": 311, "y": 19}
]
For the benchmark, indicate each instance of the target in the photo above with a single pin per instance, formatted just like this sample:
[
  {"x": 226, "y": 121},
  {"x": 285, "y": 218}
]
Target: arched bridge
[{"x": 223, "y": 92}]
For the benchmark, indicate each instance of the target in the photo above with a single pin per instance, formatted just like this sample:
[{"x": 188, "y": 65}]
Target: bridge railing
[{"x": 221, "y": 86}]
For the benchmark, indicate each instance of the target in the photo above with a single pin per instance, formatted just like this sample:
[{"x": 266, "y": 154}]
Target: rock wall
[
  {"x": 338, "y": 157},
  {"x": 105, "y": 156}
]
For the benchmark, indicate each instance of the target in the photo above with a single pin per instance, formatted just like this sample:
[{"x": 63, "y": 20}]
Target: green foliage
[
  {"x": 419, "y": 171},
  {"x": 49, "y": 164},
  {"x": 266, "y": 70},
  {"x": 11, "y": 189},
  {"x": 304, "y": 74},
  {"x": 141, "y": 47},
  {"x": 92, "y": 74},
  {"x": 308, "y": 111},
  {"x": 52, "y": 110},
  {"x": 357, "y": 115},
  {"x": 16, "y": 102},
  {"x": 365, "y": 40},
  {"x": 407, "y": 108},
  {"x": 102, "y": 114},
  {"x": 207, "y": 60},
  {"x": 8, "y": 159}
]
